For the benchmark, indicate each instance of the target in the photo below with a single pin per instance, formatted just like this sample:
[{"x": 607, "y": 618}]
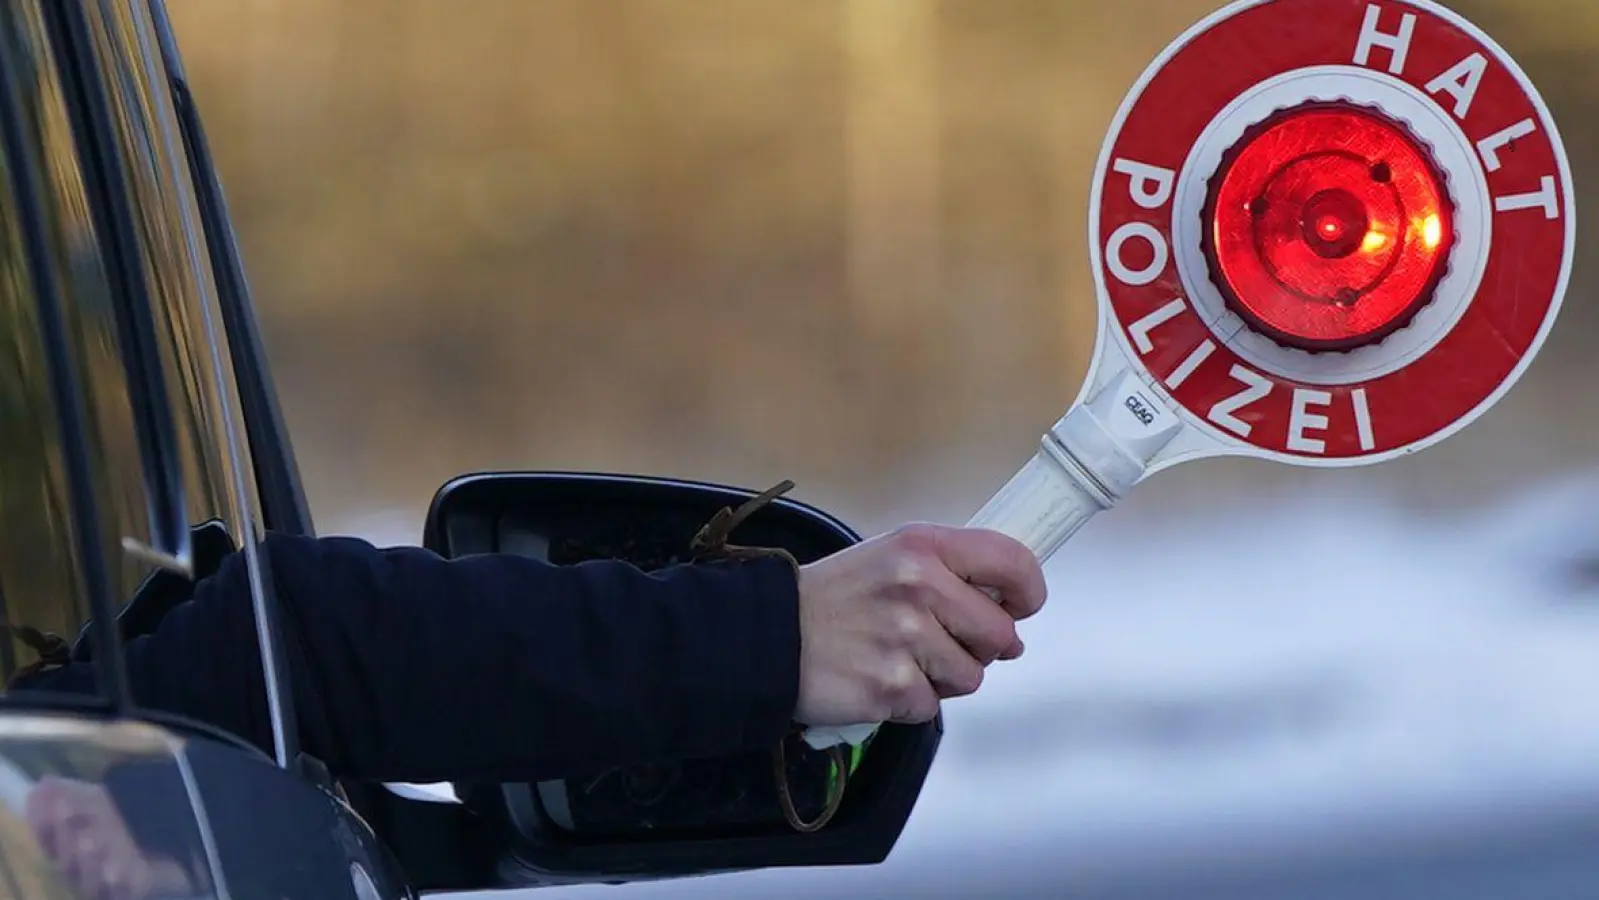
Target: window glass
[
  {"x": 178, "y": 290},
  {"x": 132, "y": 443},
  {"x": 38, "y": 575},
  {"x": 40, "y": 584}
]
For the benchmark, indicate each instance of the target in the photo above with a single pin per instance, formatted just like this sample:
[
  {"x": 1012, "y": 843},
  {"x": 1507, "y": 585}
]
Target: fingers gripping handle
[
  {"x": 1087, "y": 461},
  {"x": 1042, "y": 506}
]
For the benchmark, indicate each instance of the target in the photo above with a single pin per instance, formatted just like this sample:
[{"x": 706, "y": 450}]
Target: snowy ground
[{"x": 1312, "y": 685}]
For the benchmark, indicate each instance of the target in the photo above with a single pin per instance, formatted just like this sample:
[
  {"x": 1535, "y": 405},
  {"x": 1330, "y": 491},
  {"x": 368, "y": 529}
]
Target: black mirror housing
[{"x": 711, "y": 816}]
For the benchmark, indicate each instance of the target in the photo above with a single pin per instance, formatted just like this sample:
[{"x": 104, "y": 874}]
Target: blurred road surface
[{"x": 1307, "y": 697}]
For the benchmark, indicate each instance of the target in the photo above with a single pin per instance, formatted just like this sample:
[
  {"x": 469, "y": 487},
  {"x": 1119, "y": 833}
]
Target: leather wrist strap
[{"x": 711, "y": 543}]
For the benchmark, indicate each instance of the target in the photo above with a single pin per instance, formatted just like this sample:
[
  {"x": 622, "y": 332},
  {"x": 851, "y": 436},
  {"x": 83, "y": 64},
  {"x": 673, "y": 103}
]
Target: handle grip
[
  {"x": 1094, "y": 454},
  {"x": 1043, "y": 504}
]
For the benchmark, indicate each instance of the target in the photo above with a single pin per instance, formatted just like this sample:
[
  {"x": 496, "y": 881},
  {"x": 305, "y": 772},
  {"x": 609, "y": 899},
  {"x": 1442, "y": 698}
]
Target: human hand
[
  {"x": 81, "y": 831},
  {"x": 890, "y": 626}
]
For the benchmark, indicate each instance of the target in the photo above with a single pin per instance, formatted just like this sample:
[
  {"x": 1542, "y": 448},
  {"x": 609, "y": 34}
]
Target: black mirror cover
[{"x": 701, "y": 816}]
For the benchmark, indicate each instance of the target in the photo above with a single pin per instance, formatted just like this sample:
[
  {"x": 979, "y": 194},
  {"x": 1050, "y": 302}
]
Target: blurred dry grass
[{"x": 837, "y": 240}]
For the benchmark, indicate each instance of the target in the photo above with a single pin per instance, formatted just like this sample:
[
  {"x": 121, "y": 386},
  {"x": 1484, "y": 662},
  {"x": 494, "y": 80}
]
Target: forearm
[{"x": 409, "y": 667}]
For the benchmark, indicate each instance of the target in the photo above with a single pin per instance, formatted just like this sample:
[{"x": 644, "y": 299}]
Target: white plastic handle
[
  {"x": 1043, "y": 504},
  {"x": 1087, "y": 461}
]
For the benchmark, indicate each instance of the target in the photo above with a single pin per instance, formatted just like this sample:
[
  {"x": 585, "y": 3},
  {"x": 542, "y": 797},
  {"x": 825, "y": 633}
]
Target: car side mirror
[{"x": 697, "y": 816}]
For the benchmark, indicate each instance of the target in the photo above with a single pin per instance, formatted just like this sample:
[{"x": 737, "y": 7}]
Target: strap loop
[{"x": 711, "y": 543}]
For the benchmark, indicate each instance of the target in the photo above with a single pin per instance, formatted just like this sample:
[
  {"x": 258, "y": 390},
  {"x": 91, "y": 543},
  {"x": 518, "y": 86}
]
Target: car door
[{"x": 121, "y": 394}]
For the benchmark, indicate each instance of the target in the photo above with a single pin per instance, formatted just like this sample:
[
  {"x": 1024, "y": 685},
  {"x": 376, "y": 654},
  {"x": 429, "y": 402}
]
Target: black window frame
[
  {"x": 26, "y": 170},
  {"x": 278, "y": 484},
  {"x": 113, "y": 218}
]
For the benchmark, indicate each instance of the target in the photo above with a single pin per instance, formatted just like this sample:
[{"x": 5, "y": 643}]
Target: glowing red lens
[{"x": 1329, "y": 227}]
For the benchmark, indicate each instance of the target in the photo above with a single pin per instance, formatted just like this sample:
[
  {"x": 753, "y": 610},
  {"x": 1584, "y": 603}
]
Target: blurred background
[{"x": 843, "y": 241}]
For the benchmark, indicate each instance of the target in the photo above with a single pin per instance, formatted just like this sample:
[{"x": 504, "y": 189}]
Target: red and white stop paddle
[{"x": 1323, "y": 232}]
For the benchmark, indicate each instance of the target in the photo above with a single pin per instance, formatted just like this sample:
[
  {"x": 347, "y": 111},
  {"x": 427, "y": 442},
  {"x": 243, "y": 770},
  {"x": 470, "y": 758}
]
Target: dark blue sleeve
[{"x": 410, "y": 667}]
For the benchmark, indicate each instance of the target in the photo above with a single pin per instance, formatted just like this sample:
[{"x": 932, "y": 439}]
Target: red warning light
[{"x": 1329, "y": 227}]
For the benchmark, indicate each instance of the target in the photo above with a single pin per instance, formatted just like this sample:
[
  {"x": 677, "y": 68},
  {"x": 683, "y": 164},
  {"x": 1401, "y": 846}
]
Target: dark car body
[
  {"x": 141, "y": 444},
  {"x": 133, "y": 452}
]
